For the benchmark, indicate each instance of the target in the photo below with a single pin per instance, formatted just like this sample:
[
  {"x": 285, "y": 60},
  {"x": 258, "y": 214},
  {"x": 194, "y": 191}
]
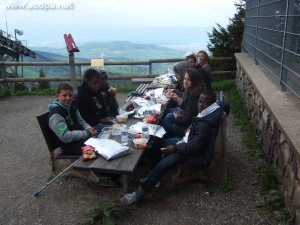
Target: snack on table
[
  {"x": 140, "y": 142},
  {"x": 121, "y": 118},
  {"x": 88, "y": 153}
]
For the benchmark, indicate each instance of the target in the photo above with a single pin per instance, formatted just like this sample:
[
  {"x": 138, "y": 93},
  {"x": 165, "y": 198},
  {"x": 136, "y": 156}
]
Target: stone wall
[{"x": 277, "y": 119}]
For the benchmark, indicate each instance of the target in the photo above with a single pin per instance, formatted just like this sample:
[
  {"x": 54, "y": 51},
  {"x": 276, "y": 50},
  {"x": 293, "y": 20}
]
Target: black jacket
[
  {"x": 189, "y": 109},
  {"x": 200, "y": 146},
  {"x": 91, "y": 105}
]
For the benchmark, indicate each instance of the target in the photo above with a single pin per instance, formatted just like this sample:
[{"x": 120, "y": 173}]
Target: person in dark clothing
[
  {"x": 179, "y": 70},
  {"x": 178, "y": 119},
  {"x": 90, "y": 101},
  {"x": 109, "y": 95},
  {"x": 204, "y": 61},
  {"x": 92, "y": 107},
  {"x": 192, "y": 59},
  {"x": 70, "y": 129},
  {"x": 196, "y": 148}
]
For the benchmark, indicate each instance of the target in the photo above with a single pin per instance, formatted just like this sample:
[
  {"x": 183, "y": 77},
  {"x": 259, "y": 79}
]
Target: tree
[
  {"x": 43, "y": 85},
  {"x": 227, "y": 41}
]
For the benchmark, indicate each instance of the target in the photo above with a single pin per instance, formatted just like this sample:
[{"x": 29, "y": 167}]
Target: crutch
[{"x": 37, "y": 193}]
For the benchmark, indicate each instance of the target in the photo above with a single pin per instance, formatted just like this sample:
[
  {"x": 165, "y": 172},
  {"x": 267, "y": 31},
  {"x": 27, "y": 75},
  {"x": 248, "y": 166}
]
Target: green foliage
[
  {"x": 36, "y": 92},
  {"x": 267, "y": 179},
  {"x": 43, "y": 85},
  {"x": 109, "y": 214},
  {"x": 273, "y": 206},
  {"x": 227, "y": 41},
  {"x": 250, "y": 138},
  {"x": 223, "y": 85},
  {"x": 211, "y": 188},
  {"x": 227, "y": 186},
  {"x": 125, "y": 89}
]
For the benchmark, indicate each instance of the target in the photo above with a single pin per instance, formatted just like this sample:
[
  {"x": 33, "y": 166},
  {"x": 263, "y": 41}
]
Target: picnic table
[{"x": 124, "y": 165}]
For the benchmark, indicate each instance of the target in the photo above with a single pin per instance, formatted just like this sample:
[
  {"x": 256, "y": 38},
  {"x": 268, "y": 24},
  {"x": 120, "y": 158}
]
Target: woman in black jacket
[{"x": 176, "y": 122}]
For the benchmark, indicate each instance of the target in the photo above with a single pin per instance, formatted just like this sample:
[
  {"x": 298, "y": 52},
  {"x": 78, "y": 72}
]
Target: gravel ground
[{"x": 24, "y": 166}]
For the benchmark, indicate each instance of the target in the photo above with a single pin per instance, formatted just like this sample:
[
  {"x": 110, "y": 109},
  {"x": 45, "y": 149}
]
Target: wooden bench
[
  {"x": 217, "y": 170},
  {"x": 58, "y": 160},
  {"x": 141, "y": 88}
]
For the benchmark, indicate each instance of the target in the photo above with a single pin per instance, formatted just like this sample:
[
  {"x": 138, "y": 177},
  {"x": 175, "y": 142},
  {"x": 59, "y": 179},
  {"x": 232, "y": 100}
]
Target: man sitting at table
[
  {"x": 196, "y": 148},
  {"x": 90, "y": 101},
  {"x": 109, "y": 95}
]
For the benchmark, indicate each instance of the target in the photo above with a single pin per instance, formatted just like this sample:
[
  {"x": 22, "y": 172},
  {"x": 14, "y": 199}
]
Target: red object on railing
[{"x": 71, "y": 46}]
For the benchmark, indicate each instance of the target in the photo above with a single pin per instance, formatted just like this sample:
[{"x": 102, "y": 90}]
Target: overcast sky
[{"x": 46, "y": 21}]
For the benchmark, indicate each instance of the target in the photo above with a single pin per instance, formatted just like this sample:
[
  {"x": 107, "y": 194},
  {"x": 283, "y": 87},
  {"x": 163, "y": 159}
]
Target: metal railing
[{"x": 272, "y": 37}]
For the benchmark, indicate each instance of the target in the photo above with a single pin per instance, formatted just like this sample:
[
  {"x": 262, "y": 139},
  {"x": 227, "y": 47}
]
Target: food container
[
  {"x": 117, "y": 129},
  {"x": 107, "y": 129},
  {"x": 121, "y": 118},
  {"x": 140, "y": 143}
]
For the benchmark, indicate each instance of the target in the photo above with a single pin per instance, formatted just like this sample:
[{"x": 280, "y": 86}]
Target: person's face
[
  {"x": 94, "y": 84},
  {"x": 177, "y": 75},
  {"x": 65, "y": 97},
  {"x": 191, "y": 62},
  {"x": 203, "y": 102},
  {"x": 187, "y": 83},
  {"x": 201, "y": 56},
  {"x": 103, "y": 82}
]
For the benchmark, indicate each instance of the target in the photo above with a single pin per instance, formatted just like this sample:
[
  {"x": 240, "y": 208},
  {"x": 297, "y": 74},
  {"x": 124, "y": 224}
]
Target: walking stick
[{"x": 37, "y": 193}]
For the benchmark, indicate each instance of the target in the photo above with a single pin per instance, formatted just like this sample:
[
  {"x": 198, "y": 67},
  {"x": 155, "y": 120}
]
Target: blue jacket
[{"x": 200, "y": 146}]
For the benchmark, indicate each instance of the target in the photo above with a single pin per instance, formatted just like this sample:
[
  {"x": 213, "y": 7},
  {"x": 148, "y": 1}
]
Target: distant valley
[{"x": 117, "y": 51}]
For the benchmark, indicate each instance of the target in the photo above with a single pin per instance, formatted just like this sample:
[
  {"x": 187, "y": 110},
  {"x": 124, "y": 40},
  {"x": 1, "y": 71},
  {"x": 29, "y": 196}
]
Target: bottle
[
  {"x": 124, "y": 135},
  {"x": 145, "y": 131},
  {"x": 152, "y": 97}
]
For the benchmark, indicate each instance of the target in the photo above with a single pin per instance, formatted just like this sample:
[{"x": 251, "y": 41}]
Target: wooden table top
[{"x": 123, "y": 165}]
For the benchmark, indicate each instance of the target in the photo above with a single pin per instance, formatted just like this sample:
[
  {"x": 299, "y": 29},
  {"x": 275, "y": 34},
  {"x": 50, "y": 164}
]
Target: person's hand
[
  {"x": 167, "y": 150},
  {"x": 176, "y": 114},
  {"x": 106, "y": 121},
  {"x": 112, "y": 91},
  {"x": 93, "y": 131},
  {"x": 168, "y": 93},
  {"x": 173, "y": 95}
]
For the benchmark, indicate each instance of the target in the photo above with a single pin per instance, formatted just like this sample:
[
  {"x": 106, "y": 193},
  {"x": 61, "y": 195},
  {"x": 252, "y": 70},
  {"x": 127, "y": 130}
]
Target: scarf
[
  {"x": 208, "y": 110},
  {"x": 203, "y": 62}
]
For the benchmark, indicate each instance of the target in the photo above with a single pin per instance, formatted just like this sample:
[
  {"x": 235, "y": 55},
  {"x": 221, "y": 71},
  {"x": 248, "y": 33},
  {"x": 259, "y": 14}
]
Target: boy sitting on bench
[{"x": 70, "y": 129}]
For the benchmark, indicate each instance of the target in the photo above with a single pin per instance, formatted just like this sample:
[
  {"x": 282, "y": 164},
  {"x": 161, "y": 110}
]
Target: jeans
[
  {"x": 166, "y": 163},
  {"x": 170, "y": 126}
]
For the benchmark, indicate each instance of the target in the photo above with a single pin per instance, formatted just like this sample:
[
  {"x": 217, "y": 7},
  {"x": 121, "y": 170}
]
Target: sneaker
[
  {"x": 142, "y": 180},
  {"x": 129, "y": 199},
  {"x": 108, "y": 182}
]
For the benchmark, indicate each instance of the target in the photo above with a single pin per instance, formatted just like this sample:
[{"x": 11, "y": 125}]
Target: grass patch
[
  {"x": 227, "y": 186},
  {"x": 250, "y": 138},
  {"x": 267, "y": 179},
  {"x": 223, "y": 85},
  {"x": 273, "y": 206},
  {"x": 108, "y": 214}
]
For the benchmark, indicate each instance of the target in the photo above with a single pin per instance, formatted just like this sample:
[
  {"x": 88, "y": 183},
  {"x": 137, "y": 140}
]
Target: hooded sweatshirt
[
  {"x": 67, "y": 123},
  {"x": 181, "y": 67}
]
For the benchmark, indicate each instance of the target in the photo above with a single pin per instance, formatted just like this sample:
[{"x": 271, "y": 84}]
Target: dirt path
[{"x": 24, "y": 166}]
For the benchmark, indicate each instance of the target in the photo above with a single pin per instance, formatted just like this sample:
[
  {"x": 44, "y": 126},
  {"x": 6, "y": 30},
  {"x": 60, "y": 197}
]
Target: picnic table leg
[{"x": 125, "y": 183}]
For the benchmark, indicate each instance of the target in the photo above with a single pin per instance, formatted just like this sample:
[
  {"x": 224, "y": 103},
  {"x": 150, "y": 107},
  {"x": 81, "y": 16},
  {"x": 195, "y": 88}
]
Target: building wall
[{"x": 276, "y": 115}]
